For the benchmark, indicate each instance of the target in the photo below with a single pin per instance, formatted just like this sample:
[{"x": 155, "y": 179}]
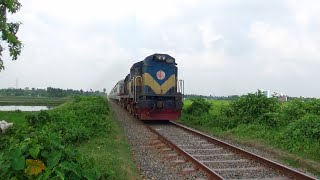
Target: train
[{"x": 152, "y": 90}]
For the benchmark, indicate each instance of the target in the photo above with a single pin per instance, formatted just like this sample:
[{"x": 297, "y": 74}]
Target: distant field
[
  {"x": 27, "y": 100},
  {"x": 216, "y": 105},
  {"x": 18, "y": 118}
]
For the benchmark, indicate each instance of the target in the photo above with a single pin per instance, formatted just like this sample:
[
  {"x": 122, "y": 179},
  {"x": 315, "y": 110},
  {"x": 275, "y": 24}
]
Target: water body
[{"x": 24, "y": 108}]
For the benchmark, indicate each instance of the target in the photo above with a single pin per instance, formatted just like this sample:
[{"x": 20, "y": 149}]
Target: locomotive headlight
[
  {"x": 161, "y": 57},
  {"x": 170, "y": 60}
]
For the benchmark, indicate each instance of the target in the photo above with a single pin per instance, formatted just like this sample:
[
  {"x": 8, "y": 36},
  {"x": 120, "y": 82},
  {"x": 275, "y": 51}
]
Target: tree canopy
[{"x": 9, "y": 30}]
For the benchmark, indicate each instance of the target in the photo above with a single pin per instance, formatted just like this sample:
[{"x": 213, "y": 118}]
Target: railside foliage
[
  {"x": 46, "y": 149},
  {"x": 252, "y": 108},
  {"x": 293, "y": 126},
  {"x": 199, "y": 106}
]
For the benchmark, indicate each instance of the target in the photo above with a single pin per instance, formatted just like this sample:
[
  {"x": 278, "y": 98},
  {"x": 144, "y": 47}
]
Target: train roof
[
  {"x": 153, "y": 57},
  {"x": 121, "y": 81}
]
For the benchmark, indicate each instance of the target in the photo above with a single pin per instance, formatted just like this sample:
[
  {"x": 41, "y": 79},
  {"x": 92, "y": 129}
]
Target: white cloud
[
  {"x": 221, "y": 47},
  {"x": 81, "y": 11},
  {"x": 273, "y": 40},
  {"x": 304, "y": 11},
  {"x": 287, "y": 43},
  {"x": 209, "y": 34}
]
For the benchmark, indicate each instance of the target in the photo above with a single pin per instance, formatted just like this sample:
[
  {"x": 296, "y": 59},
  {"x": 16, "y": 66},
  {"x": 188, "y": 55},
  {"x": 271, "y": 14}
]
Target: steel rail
[
  {"x": 211, "y": 174},
  {"x": 283, "y": 169}
]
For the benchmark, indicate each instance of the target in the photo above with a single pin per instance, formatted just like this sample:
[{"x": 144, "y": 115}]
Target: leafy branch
[{"x": 9, "y": 30}]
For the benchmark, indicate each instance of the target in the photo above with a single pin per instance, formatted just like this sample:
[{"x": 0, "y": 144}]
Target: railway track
[{"x": 219, "y": 160}]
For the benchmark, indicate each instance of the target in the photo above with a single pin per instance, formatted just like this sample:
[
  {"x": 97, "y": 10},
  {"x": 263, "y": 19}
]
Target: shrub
[
  {"x": 198, "y": 107},
  {"x": 43, "y": 155},
  {"x": 31, "y": 119},
  {"x": 45, "y": 150},
  {"x": 293, "y": 110},
  {"x": 80, "y": 119},
  {"x": 307, "y": 127},
  {"x": 298, "y": 108},
  {"x": 302, "y": 136},
  {"x": 271, "y": 119},
  {"x": 38, "y": 120},
  {"x": 249, "y": 108}
]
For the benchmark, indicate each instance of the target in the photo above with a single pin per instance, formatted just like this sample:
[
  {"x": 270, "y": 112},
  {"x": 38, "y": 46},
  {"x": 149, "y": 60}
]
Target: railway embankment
[
  {"x": 218, "y": 159},
  {"x": 287, "y": 132},
  {"x": 163, "y": 151},
  {"x": 153, "y": 159},
  {"x": 77, "y": 140}
]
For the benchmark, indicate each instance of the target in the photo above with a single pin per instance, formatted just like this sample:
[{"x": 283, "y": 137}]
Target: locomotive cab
[{"x": 153, "y": 88}]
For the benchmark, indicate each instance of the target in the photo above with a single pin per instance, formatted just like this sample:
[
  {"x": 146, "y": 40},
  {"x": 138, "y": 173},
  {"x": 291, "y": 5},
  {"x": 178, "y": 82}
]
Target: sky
[{"x": 221, "y": 47}]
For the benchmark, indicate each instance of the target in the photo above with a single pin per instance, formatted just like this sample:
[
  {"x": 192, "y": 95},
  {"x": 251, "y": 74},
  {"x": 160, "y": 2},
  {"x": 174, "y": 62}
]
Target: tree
[
  {"x": 9, "y": 30},
  {"x": 104, "y": 90}
]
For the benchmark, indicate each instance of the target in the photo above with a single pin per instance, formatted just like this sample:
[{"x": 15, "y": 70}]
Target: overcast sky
[{"x": 221, "y": 47}]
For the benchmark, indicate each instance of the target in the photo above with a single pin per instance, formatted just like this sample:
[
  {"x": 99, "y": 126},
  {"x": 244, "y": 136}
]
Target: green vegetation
[
  {"x": 293, "y": 127},
  {"x": 9, "y": 29},
  {"x": 111, "y": 153},
  {"x": 32, "y": 101},
  {"x": 49, "y": 92},
  {"x": 210, "y": 97},
  {"x": 17, "y": 117},
  {"x": 77, "y": 140}
]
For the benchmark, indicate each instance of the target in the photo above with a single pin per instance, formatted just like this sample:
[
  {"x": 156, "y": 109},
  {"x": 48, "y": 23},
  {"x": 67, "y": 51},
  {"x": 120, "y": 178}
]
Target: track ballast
[{"x": 220, "y": 160}]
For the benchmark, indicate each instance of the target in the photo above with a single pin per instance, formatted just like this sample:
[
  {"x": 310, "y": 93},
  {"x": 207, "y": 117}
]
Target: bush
[
  {"x": 198, "y": 107},
  {"x": 298, "y": 108},
  {"x": 307, "y": 127},
  {"x": 77, "y": 121},
  {"x": 313, "y": 106},
  {"x": 271, "y": 119},
  {"x": 45, "y": 150},
  {"x": 32, "y": 119},
  {"x": 43, "y": 155},
  {"x": 302, "y": 136},
  {"x": 293, "y": 110},
  {"x": 249, "y": 108},
  {"x": 38, "y": 120}
]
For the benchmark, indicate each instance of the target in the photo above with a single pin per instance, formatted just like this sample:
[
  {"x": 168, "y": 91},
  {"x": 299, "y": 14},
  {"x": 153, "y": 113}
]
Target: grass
[
  {"x": 264, "y": 140},
  {"x": 276, "y": 140},
  {"x": 17, "y": 117},
  {"x": 106, "y": 146},
  {"x": 216, "y": 105},
  {"x": 112, "y": 153},
  {"x": 28, "y": 100}
]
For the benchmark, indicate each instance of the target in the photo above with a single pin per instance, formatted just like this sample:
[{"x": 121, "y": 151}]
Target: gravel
[
  {"x": 151, "y": 159},
  {"x": 205, "y": 152}
]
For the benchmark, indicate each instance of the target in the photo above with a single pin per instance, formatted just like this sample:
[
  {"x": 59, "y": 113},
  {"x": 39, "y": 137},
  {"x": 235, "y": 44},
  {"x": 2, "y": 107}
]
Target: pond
[{"x": 24, "y": 108}]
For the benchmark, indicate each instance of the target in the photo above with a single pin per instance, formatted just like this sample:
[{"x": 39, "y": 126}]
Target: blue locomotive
[{"x": 152, "y": 90}]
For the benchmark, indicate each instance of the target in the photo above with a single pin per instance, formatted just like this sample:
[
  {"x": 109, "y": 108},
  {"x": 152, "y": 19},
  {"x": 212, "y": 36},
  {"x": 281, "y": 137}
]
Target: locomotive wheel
[
  {"x": 131, "y": 110},
  {"x": 134, "y": 111}
]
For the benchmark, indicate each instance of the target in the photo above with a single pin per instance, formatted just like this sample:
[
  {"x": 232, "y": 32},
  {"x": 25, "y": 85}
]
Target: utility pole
[{"x": 17, "y": 83}]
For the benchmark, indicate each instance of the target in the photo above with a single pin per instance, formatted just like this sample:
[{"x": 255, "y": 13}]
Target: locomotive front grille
[{"x": 160, "y": 104}]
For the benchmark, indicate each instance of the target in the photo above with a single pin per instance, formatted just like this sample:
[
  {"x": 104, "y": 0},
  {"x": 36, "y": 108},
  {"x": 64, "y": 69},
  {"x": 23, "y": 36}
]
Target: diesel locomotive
[{"x": 151, "y": 91}]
